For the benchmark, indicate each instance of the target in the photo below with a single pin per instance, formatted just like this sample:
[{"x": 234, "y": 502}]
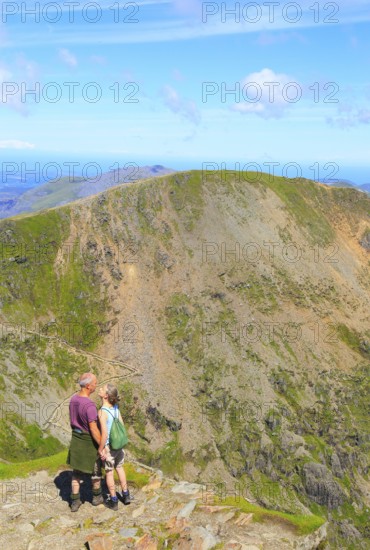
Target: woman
[{"x": 113, "y": 459}]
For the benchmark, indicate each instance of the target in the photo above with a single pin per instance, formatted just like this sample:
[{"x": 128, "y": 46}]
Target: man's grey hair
[{"x": 86, "y": 379}]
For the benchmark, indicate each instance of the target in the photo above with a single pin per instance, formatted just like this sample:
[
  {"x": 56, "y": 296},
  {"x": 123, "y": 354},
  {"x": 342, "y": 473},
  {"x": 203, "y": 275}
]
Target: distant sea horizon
[{"x": 27, "y": 170}]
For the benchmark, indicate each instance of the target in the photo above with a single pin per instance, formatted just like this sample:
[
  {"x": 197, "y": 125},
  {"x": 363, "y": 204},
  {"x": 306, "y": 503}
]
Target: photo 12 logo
[
  {"x": 269, "y": 92},
  {"x": 251, "y": 332},
  {"x": 214, "y": 493},
  {"x": 269, "y": 251},
  {"x": 73, "y": 333},
  {"x": 69, "y": 12},
  {"x": 51, "y": 413},
  {"x": 291, "y": 172},
  {"x": 68, "y": 92},
  {"x": 269, "y": 13},
  {"x": 28, "y": 491},
  {"x": 19, "y": 254},
  {"x": 68, "y": 171},
  {"x": 326, "y": 173}
]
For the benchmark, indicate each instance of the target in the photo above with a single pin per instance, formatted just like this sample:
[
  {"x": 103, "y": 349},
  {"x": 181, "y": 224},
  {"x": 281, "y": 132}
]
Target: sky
[{"x": 281, "y": 86}]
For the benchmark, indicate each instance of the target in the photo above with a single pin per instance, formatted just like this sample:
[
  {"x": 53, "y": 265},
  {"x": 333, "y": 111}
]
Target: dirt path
[{"x": 132, "y": 371}]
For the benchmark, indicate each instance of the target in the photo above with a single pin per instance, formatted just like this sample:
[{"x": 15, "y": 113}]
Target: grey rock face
[
  {"x": 336, "y": 465},
  {"x": 320, "y": 485},
  {"x": 365, "y": 241},
  {"x": 311, "y": 542}
]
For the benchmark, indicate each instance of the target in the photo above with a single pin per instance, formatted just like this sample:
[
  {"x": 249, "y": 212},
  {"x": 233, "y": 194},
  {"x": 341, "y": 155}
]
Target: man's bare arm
[
  {"x": 104, "y": 431},
  {"x": 94, "y": 430}
]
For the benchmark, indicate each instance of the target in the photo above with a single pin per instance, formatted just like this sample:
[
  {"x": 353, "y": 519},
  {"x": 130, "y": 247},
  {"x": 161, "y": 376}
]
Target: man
[{"x": 83, "y": 456}]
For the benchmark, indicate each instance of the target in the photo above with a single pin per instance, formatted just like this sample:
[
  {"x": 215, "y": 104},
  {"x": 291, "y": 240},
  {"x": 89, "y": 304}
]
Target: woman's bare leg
[
  {"x": 122, "y": 477},
  {"x": 109, "y": 479}
]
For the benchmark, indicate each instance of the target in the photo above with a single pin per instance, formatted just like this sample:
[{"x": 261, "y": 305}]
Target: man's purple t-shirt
[{"x": 82, "y": 411}]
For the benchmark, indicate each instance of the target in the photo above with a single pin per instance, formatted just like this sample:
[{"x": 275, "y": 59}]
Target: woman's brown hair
[{"x": 112, "y": 394}]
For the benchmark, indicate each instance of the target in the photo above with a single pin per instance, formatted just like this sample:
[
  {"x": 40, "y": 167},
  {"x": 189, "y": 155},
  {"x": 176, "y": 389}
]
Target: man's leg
[
  {"x": 96, "y": 484},
  {"x": 75, "y": 494},
  {"x": 76, "y": 480}
]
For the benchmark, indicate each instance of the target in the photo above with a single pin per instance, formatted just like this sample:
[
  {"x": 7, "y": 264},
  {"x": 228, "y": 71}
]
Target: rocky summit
[
  {"x": 163, "y": 514},
  {"x": 232, "y": 312}
]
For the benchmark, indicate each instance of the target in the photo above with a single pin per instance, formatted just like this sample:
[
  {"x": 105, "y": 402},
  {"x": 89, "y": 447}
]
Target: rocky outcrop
[
  {"x": 313, "y": 541},
  {"x": 320, "y": 485},
  {"x": 365, "y": 241},
  {"x": 34, "y": 515}
]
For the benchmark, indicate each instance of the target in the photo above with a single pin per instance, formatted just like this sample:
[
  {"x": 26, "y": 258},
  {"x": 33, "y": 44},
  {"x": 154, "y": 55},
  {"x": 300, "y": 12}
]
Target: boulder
[
  {"x": 138, "y": 511},
  {"x": 186, "y": 511},
  {"x": 243, "y": 519},
  {"x": 203, "y": 539},
  {"x": 186, "y": 488},
  {"x": 152, "y": 485},
  {"x": 146, "y": 542},
  {"x": 99, "y": 541},
  {"x": 128, "y": 532}
]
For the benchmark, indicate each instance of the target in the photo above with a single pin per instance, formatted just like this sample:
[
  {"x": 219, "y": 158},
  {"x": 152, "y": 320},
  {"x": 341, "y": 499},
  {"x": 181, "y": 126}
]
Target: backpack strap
[{"x": 115, "y": 409}]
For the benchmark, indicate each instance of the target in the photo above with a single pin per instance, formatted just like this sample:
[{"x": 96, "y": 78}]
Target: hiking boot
[
  {"x": 97, "y": 499},
  {"x": 125, "y": 497},
  {"x": 111, "y": 504},
  {"x": 75, "y": 504}
]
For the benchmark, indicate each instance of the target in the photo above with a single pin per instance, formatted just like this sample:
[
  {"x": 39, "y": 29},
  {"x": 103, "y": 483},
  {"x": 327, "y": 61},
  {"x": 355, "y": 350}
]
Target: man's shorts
[
  {"x": 96, "y": 473},
  {"x": 97, "y": 469},
  {"x": 114, "y": 459}
]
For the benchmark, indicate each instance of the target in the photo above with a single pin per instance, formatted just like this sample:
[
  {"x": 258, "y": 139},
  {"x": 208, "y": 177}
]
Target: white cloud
[
  {"x": 10, "y": 95},
  {"x": 67, "y": 57},
  {"x": 16, "y": 144},
  {"x": 185, "y": 23},
  {"x": 363, "y": 116},
  {"x": 98, "y": 59},
  {"x": 129, "y": 76},
  {"x": 28, "y": 67},
  {"x": 5, "y": 74},
  {"x": 179, "y": 105},
  {"x": 2, "y": 34},
  {"x": 177, "y": 75},
  {"x": 272, "y": 38},
  {"x": 188, "y": 7},
  {"x": 349, "y": 116},
  {"x": 267, "y": 94}
]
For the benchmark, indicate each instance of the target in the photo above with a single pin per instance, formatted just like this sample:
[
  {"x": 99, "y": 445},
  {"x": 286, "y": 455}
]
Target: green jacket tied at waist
[{"x": 82, "y": 452}]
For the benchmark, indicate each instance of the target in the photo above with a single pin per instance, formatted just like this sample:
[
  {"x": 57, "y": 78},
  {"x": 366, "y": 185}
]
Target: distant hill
[
  {"x": 346, "y": 183},
  {"x": 64, "y": 190},
  {"x": 338, "y": 183},
  {"x": 364, "y": 187}
]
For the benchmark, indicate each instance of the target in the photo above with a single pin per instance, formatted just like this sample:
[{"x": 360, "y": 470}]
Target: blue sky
[{"x": 159, "y": 80}]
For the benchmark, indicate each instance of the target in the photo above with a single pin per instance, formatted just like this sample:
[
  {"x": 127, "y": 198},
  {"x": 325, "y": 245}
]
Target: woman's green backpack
[{"x": 118, "y": 436}]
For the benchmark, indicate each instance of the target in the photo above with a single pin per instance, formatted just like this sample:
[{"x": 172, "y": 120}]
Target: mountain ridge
[
  {"x": 178, "y": 277},
  {"x": 67, "y": 189}
]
